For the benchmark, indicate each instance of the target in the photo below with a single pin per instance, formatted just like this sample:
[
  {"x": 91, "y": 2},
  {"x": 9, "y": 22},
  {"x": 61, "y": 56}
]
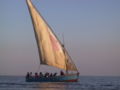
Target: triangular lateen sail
[{"x": 50, "y": 49}]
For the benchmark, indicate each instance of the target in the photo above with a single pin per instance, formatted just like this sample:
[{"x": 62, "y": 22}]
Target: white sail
[{"x": 49, "y": 47}]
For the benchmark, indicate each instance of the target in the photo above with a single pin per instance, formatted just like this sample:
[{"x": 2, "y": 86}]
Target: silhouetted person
[
  {"x": 28, "y": 75},
  {"x": 54, "y": 74},
  {"x": 40, "y": 74},
  {"x": 46, "y": 74},
  {"x": 36, "y": 75},
  {"x": 51, "y": 75},
  {"x": 62, "y": 73}
]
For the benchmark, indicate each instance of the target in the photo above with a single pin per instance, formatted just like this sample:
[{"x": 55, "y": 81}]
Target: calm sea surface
[{"x": 85, "y": 83}]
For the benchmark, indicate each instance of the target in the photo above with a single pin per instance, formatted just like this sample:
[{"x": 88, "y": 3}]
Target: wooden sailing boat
[{"x": 51, "y": 51}]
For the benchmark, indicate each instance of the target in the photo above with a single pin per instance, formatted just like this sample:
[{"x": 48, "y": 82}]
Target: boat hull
[{"x": 65, "y": 78}]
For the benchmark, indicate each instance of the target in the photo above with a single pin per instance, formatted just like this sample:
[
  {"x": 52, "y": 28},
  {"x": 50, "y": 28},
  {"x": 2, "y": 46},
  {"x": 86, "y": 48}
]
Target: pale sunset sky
[{"x": 91, "y": 31}]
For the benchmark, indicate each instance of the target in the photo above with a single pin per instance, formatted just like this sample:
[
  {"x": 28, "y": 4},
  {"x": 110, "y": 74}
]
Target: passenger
[
  {"x": 28, "y": 75},
  {"x": 40, "y": 74},
  {"x": 36, "y": 75},
  {"x": 54, "y": 74},
  {"x": 62, "y": 73},
  {"x": 51, "y": 75},
  {"x": 46, "y": 74}
]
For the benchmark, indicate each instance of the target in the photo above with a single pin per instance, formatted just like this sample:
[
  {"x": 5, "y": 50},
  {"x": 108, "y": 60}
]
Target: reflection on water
[{"x": 53, "y": 86}]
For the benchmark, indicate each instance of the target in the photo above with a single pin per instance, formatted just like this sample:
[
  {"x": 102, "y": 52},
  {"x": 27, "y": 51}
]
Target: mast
[{"x": 64, "y": 53}]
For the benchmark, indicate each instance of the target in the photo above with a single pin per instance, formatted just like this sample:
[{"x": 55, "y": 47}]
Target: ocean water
[{"x": 85, "y": 83}]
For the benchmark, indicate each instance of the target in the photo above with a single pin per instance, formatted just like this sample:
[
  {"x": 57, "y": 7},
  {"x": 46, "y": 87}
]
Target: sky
[{"x": 91, "y": 30}]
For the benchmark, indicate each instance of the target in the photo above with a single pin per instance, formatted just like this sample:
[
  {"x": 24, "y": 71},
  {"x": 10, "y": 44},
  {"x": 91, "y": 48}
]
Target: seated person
[
  {"x": 46, "y": 74},
  {"x": 54, "y": 74},
  {"x": 51, "y": 75},
  {"x": 62, "y": 73},
  {"x": 40, "y": 74},
  {"x": 36, "y": 75},
  {"x": 28, "y": 75}
]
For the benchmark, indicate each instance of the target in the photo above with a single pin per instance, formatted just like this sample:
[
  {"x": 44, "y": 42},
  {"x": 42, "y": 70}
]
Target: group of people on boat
[{"x": 36, "y": 75}]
